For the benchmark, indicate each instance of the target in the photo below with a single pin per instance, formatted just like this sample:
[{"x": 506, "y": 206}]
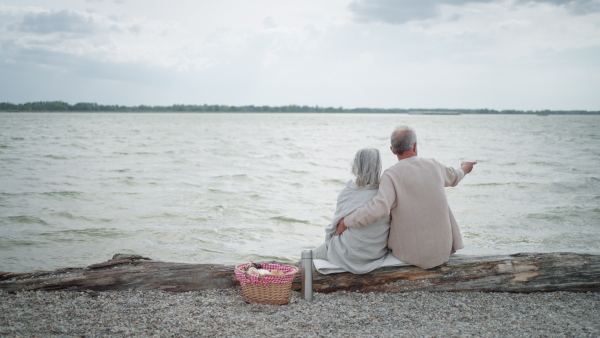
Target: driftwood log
[{"x": 525, "y": 272}]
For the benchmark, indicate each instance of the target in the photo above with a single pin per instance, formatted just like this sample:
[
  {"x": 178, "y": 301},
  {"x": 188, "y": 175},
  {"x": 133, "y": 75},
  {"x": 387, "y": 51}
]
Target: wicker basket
[{"x": 271, "y": 290}]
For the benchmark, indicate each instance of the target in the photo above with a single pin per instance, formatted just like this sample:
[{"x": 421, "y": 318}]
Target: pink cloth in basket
[{"x": 263, "y": 280}]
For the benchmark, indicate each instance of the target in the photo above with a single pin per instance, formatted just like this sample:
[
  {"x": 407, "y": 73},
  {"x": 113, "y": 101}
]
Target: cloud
[
  {"x": 393, "y": 12},
  {"x": 46, "y": 38},
  {"x": 399, "y": 11},
  {"x": 57, "y": 21},
  {"x": 577, "y": 7},
  {"x": 507, "y": 29},
  {"x": 27, "y": 31},
  {"x": 269, "y": 22},
  {"x": 403, "y": 11}
]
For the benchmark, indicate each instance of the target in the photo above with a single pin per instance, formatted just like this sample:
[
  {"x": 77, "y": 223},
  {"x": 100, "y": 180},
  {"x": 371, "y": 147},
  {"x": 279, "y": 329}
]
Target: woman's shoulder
[
  {"x": 351, "y": 185},
  {"x": 353, "y": 194}
]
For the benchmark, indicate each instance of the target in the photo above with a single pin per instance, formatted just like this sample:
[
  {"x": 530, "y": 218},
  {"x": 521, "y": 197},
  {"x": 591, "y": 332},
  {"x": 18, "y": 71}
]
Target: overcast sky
[{"x": 496, "y": 54}]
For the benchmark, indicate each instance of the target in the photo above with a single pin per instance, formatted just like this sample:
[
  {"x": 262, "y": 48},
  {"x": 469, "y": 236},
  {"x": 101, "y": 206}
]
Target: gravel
[{"x": 224, "y": 313}]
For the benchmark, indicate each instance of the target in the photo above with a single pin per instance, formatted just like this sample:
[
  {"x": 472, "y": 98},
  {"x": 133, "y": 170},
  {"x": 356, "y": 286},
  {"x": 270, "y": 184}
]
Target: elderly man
[{"x": 423, "y": 230}]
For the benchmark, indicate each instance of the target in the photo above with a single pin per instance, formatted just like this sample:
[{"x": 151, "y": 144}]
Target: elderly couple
[{"x": 404, "y": 211}]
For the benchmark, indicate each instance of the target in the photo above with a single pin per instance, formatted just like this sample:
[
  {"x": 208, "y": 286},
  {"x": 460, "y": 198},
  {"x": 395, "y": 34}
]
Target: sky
[{"x": 494, "y": 54}]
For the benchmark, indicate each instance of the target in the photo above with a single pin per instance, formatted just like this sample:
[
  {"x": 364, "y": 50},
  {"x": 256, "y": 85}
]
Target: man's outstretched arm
[{"x": 454, "y": 175}]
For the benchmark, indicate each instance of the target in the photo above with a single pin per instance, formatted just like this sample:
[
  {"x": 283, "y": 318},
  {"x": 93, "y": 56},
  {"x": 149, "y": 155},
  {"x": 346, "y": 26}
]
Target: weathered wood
[
  {"x": 124, "y": 272},
  {"x": 527, "y": 272}
]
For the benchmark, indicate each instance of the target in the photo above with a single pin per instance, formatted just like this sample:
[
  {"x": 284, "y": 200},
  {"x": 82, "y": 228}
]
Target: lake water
[{"x": 76, "y": 188}]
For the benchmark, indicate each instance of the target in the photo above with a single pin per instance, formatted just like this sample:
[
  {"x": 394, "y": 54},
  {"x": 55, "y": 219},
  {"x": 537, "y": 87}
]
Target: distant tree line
[{"x": 60, "y": 106}]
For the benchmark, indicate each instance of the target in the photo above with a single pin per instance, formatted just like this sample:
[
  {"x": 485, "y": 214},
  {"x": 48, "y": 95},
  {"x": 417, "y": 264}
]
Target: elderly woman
[{"x": 358, "y": 250}]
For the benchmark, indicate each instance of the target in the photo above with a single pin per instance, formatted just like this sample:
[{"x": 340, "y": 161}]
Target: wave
[
  {"x": 15, "y": 194},
  {"x": 63, "y": 193},
  {"x": 11, "y": 243},
  {"x": 197, "y": 219},
  {"x": 128, "y": 181},
  {"x": 219, "y": 191},
  {"x": 79, "y": 146},
  {"x": 80, "y": 235},
  {"x": 232, "y": 176},
  {"x": 521, "y": 185},
  {"x": 291, "y": 171},
  {"x": 57, "y": 157},
  {"x": 196, "y": 185},
  {"x": 70, "y": 216},
  {"x": 335, "y": 181},
  {"x": 24, "y": 220},
  {"x": 289, "y": 220},
  {"x": 546, "y": 217},
  {"x": 485, "y": 184},
  {"x": 163, "y": 215},
  {"x": 573, "y": 186},
  {"x": 546, "y": 163},
  {"x": 134, "y": 153}
]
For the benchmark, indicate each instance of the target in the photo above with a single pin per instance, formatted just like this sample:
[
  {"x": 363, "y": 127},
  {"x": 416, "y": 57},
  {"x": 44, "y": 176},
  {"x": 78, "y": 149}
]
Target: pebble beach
[{"x": 224, "y": 313}]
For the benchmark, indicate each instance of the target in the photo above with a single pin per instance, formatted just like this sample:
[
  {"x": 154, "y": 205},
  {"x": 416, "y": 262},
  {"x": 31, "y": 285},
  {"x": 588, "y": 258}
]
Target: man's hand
[
  {"x": 467, "y": 167},
  {"x": 341, "y": 227}
]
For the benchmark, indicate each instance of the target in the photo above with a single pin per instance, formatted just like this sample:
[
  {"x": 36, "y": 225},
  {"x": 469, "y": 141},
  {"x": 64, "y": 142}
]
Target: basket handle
[
  {"x": 291, "y": 273},
  {"x": 285, "y": 274}
]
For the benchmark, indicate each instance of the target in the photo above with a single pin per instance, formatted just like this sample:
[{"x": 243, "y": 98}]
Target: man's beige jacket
[{"x": 423, "y": 230}]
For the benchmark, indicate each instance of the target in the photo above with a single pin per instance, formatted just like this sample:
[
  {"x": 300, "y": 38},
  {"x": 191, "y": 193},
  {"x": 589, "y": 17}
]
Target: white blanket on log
[{"x": 325, "y": 267}]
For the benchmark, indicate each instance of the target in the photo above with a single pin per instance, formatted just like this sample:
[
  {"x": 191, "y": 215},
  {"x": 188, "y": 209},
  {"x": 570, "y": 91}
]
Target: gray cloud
[
  {"x": 392, "y": 11},
  {"x": 135, "y": 29},
  {"x": 64, "y": 39},
  {"x": 399, "y": 11},
  {"x": 402, "y": 11},
  {"x": 577, "y": 7},
  {"x": 57, "y": 22},
  {"x": 269, "y": 22}
]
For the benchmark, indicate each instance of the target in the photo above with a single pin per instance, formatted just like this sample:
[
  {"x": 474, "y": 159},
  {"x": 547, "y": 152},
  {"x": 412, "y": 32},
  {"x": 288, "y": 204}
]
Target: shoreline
[{"x": 224, "y": 313}]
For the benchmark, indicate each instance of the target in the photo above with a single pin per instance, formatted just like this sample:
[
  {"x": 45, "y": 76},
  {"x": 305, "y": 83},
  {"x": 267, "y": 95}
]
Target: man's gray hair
[
  {"x": 367, "y": 167},
  {"x": 403, "y": 138}
]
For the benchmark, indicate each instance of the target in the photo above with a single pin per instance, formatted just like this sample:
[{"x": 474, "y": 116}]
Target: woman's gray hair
[
  {"x": 403, "y": 138},
  {"x": 367, "y": 167}
]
